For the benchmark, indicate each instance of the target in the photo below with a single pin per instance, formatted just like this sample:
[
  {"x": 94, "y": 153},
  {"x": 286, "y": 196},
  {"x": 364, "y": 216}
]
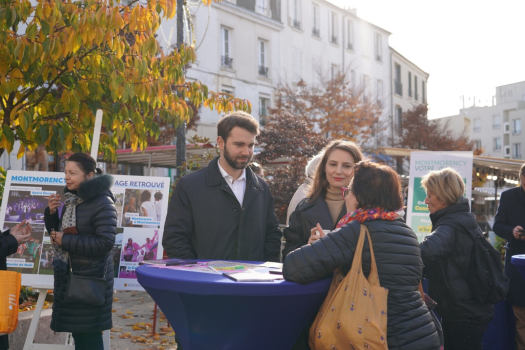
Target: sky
[{"x": 468, "y": 47}]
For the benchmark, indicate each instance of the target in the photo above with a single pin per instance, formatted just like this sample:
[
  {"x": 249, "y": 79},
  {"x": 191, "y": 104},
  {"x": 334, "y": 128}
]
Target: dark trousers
[
  {"x": 463, "y": 335},
  {"x": 4, "y": 342},
  {"x": 88, "y": 341}
]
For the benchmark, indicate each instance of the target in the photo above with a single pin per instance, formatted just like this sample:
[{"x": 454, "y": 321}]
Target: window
[
  {"x": 397, "y": 81},
  {"x": 497, "y": 144},
  {"x": 261, "y": 6},
  {"x": 296, "y": 14},
  {"x": 506, "y": 151},
  {"x": 423, "y": 92},
  {"x": 477, "y": 144},
  {"x": 516, "y": 150},
  {"x": 226, "y": 60},
  {"x": 415, "y": 88},
  {"x": 399, "y": 118},
  {"x": 297, "y": 64},
  {"x": 378, "y": 47},
  {"x": 263, "y": 67},
  {"x": 379, "y": 93},
  {"x": 350, "y": 34},
  {"x": 516, "y": 126},
  {"x": 264, "y": 103},
  {"x": 333, "y": 28},
  {"x": 366, "y": 88},
  {"x": 496, "y": 121},
  {"x": 334, "y": 71},
  {"x": 477, "y": 124},
  {"x": 352, "y": 79},
  {"x": 409, "y": 84},
  {"x": 315, "y": 21}
]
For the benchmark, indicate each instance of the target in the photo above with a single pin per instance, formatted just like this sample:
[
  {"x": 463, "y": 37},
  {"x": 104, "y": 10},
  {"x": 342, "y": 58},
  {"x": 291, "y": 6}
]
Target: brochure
[{"x": 252, "y": 277}]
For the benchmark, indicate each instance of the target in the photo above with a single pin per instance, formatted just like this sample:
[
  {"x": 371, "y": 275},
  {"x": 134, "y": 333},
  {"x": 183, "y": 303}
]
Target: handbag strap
[
  {"x": 71, "y": 266},
  {"x": 373, "y": 277}
]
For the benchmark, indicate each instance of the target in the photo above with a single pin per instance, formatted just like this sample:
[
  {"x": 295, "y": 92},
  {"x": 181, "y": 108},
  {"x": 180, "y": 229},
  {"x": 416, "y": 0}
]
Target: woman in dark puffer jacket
[
  {"x": 84, "y": 235},
  {"x": 447, "y": 254},
  {"x": 376, "y": 191}
]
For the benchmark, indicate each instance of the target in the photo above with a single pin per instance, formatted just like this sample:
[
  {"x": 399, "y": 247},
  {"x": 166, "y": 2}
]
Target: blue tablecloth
[
  {"x": 518, "y": 261},
  {"x": 209, "y": 311}
]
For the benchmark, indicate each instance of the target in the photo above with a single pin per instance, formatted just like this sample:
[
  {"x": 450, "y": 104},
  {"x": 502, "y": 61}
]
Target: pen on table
[{"x": 212, "y": 268}]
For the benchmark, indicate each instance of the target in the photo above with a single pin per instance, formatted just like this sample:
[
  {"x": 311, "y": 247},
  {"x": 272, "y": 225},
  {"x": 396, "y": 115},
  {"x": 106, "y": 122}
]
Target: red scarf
[{"x": 367, "y": 214}]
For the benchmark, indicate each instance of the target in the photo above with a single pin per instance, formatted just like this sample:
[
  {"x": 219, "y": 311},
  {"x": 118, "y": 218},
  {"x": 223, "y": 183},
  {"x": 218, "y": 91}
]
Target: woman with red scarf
[{"x": 374, "y": 199}]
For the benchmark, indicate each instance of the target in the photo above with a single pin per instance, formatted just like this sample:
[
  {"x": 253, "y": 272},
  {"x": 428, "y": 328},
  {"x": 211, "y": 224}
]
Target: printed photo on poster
[
  {"x": 143, "y": 208},
  {"x": 137, "y": 245},
  {"x": 27, "y": 257}
]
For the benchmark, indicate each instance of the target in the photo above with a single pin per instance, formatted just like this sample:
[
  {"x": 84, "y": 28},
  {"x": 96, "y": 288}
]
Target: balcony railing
[
  {"x": 315, "y": 32},
  {"x": 296, "y": 24},
  {"x": 226, "y": 61},
  {"x": 398, "y": 87},
  {"x": 334, "y": 39},
  {"x": 263, "y": 71}
]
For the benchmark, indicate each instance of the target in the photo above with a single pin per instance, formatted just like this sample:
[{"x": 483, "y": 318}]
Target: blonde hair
[{"x": 446, "y": 184}]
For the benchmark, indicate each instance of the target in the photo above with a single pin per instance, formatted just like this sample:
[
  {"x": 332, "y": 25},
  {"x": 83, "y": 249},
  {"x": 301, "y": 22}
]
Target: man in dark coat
[
  {"x": 510, "y": 224},
  {"x": 224, "y": 211},
  {"x": 9, "y": 242}
]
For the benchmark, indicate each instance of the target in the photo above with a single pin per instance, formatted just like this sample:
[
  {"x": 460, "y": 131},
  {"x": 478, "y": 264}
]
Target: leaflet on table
[
  {"x": 214, "y": 267},
  {"x": 141, "y": 204},
  {"x": 252, "y": 276}
]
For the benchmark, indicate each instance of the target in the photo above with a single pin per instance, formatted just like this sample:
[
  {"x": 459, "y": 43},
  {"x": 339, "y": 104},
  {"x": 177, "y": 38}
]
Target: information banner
[
  {"x": 421, "y": 163},
  {"x": 141, "y": 203}
]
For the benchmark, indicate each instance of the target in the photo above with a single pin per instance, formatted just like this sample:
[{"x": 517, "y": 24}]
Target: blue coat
[
  {"x": 511, "y": 213},
  {"x": 206, "y": 221}
]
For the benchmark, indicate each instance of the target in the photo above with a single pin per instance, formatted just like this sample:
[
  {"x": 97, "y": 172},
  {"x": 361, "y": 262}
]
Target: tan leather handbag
[{"x": 354, "y": 313}]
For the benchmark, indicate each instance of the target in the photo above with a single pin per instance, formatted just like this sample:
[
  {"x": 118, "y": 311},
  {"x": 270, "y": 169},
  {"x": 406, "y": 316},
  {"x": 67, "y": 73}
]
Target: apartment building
[
  {"x": 409, "y": 87},
  {"x": 247, "y": 48},
  {"x": 497, "y": 129}
]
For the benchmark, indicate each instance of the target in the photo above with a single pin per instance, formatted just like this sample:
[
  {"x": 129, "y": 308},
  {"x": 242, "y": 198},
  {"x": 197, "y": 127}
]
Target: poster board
[
  {"x": 138, "y": 236},
  {"x": 421, "y": 163}
]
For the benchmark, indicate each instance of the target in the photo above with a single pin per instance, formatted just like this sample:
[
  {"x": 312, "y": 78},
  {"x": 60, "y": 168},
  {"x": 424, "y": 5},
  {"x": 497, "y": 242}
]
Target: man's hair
[
  {"x": 522, "y": 170},
  {"x": 158, "y": 196},
  {"x": 376, "y": 186},
  {"x": 446, "y": 184},
  {"x": 238, "y": 118}
]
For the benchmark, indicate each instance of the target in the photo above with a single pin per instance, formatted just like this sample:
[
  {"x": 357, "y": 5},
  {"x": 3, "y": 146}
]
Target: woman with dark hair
[
  {"x": 448, "y": 255},
  {"x": 324, "y": 204},
  {"x": 83, "y": 238},
  {"x": 374, "y": 200},
  {"x": 130, "y": 208}
]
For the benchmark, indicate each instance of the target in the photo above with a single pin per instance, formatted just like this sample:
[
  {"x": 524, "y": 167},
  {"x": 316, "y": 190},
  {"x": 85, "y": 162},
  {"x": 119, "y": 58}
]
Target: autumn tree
[
  {"x": 61, "y": 60},
  {"x": 289, "y": 139},
  {"x": 338, "y": 107},
  {"x": 418, "y": 132}
]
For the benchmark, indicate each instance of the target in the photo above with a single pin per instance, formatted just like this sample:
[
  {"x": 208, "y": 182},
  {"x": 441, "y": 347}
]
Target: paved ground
[{"x": 133, "y": 321}]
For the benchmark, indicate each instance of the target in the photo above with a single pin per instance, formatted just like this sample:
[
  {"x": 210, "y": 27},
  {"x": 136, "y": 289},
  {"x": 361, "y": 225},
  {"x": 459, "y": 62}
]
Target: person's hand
[
  {"x": 315, "y": 234},
  {"x": 21, "y": 231},
  {"x": 56, "y": 237},
  {"x": 53, "y": 203},
  {"x": 517, "y": 231}
]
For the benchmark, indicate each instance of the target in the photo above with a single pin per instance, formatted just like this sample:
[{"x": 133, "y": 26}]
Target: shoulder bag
[
  {"x": 354, "y": 313},
  {"x": 84, "y": 289}
]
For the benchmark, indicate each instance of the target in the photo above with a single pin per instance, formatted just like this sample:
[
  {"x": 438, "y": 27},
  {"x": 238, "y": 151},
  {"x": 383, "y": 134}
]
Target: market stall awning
[
  {"x": 505, "y": 166},
  {"x": 163, "y": 156}
]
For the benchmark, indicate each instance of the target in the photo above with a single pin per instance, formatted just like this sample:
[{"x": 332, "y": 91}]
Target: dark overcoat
[
  {"x": 396, "y": 249},
  {"x": 307, "y": 215},
  {"x": 91, "y": 253},
  {"x": 206, "y": 221},
  {"x": 8, "y": 246},
  {"x": 448, "y": 257},
  {"x": 511, "y": 213}
]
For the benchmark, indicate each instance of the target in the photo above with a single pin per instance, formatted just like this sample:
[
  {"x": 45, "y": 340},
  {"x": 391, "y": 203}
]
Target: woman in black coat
[
  {"x": 374, "y": 200},
  {"x": 9, "y": 242},
  {"x": 323, "y": 204},
  {"x": 84, "y": 237},
  {"x": 447, "y": 255}
]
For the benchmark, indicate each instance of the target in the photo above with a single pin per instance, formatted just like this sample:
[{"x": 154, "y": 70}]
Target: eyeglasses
[{"x": 345, "y": 191}]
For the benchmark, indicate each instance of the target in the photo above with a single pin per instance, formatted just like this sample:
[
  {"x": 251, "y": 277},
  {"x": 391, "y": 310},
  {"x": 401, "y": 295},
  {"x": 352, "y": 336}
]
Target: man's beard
[{"x": 234, "y": 162}]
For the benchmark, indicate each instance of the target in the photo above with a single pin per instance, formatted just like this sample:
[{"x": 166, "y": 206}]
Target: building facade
[
  {"x": 497, "y": 130},
  {"x": 247, "y": 48}
]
